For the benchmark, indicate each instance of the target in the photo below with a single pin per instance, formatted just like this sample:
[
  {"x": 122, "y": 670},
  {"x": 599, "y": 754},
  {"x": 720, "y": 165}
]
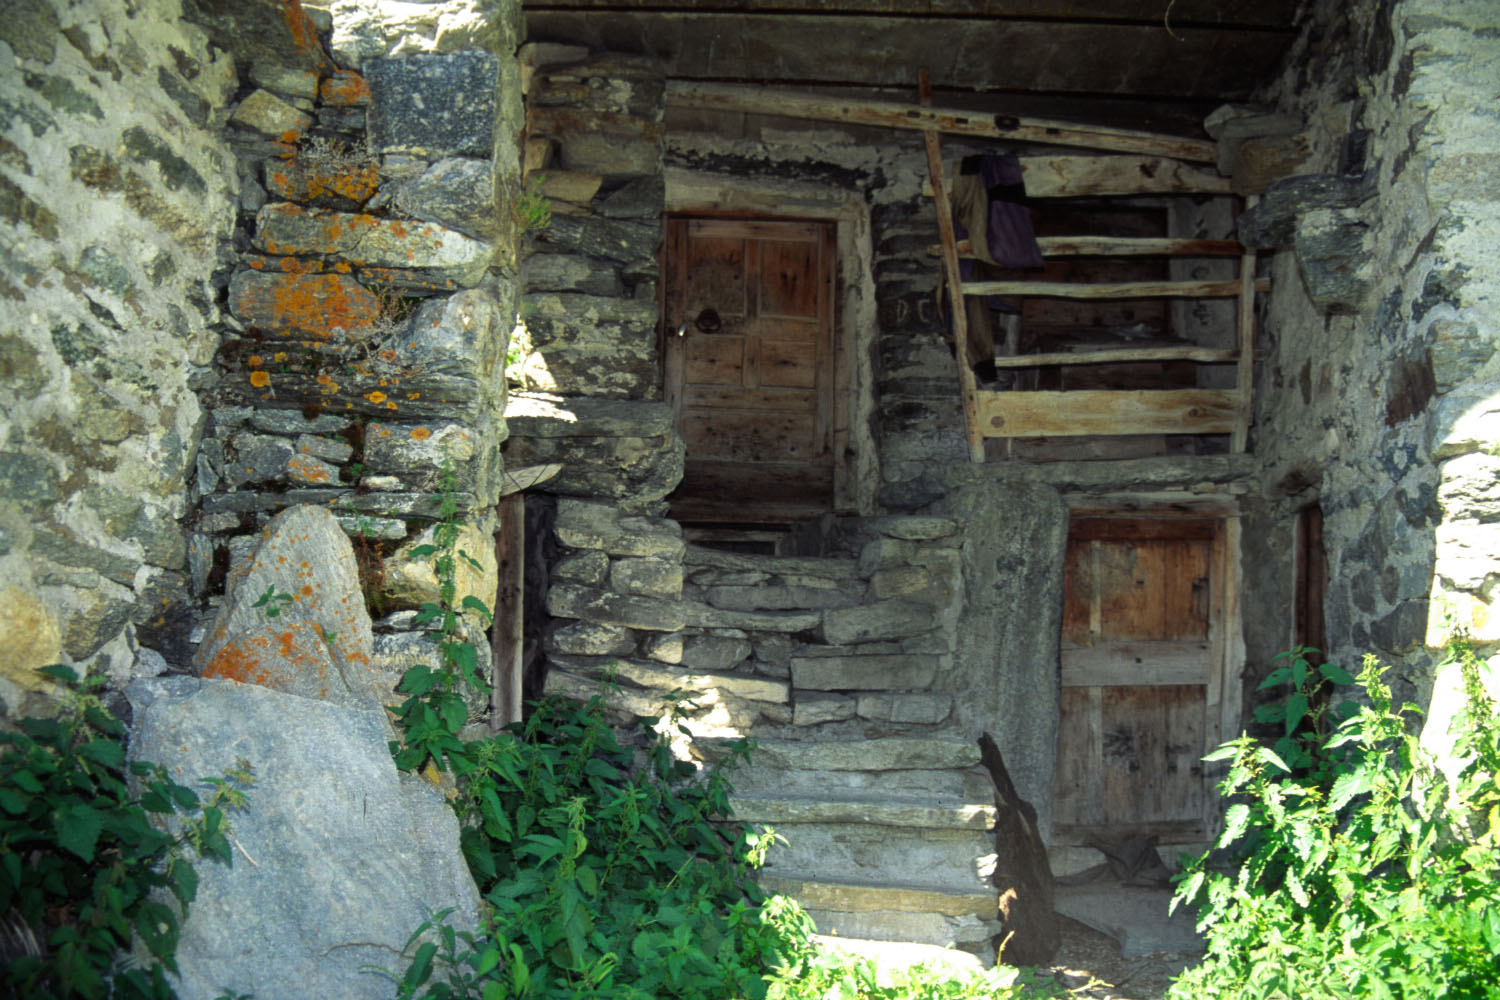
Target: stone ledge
[
  {"x": 884, "y": 813},
  {"x": 856, "y": 897}
]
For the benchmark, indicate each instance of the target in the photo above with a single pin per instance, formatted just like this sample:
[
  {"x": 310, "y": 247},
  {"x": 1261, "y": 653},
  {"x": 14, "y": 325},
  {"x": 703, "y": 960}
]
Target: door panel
[
  {"x": 1138, "y": 668},
  {"x": 750, "y": 365}
]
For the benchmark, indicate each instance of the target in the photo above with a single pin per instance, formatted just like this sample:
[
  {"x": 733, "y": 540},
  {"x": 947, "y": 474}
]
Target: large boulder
[{"x": 337, "y": 858}]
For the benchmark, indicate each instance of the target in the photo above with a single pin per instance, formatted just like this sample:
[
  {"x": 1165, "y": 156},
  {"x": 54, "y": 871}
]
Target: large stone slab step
[
  {"x": 915, "y": 814},
  {"x": 947, "y": 860},
  {"x": 857, "y": 897},
  {"x": 892, "y": 753}
]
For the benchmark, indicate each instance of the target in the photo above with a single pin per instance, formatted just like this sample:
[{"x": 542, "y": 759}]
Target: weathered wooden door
[
  {"x": 750, "y": 365},
  {"x": 1143, "y": 664}
]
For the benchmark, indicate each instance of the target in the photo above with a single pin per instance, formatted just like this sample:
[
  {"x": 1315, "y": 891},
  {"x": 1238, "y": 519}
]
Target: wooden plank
[
  {"x": 771, "y": 229},
  {"x": 743, "y": 492},
  {"x": 507, "y": 638},
  {"x": 789, "y": 286},
  {"x": 1094, "y": 176},
  {"x": 1116, "y": 246},
  {"x": 929, "y": 120},
  {"x": 968, "y": 387},
  {"x": 1099, "y": 411},
  {"x": 758, "y": 398},
  {"x": 1245, "y": 327},
  {"x": 1145, "y": 663},
  {"x": 713, "y": 360},
  {"x": 1205, "y": 355},
  {"x": 1150, "y": 754},
  {"x": 1113, "y": 289},
  {"x": 765, "y": 437},
  {"x": 1084, "y": 527}
]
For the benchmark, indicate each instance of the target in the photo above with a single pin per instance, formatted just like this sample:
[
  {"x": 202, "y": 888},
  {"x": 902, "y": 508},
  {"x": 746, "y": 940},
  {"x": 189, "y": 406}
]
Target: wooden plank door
[
  {"x": 750, "y": 367},
  {"x": 1142, "y": 677}
]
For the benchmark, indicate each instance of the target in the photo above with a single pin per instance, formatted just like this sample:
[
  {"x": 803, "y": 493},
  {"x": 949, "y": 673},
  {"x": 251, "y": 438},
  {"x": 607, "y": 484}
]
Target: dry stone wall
[
  {"x": 372, "y": 297},
  {"x": 1376, "y": 395},
  {"x": 850, "y": 644},
  {"x": 116, "y": 207}
]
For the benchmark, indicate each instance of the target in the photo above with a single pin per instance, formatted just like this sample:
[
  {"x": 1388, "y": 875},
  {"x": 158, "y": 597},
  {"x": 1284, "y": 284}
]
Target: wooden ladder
[{"x": 1100, "y": 412}]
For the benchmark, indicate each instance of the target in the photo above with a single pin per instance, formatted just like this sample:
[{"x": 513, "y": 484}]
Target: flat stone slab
[
  {"x": 970, "y": 816},
  {"x": 854, "y": 897},
  {"x": 830, "y": 568},
  {"x": 889, "y": 754},
  {"x": 668, "y": 679},
  {"x": 288, "y": 229},
  {"x": 864, "y": 673},
  {"x": 1135, "y": 917}
]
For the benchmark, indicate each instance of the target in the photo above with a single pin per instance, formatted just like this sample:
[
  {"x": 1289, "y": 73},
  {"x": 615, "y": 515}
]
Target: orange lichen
[
  {"x": 316, "y": 304},
  {"x": 343, "y": 88},
  {"x": 375, "y": 396},
  {"x": 413, "y": 395},
  {"x": 260, "y": 379},
  {"x": 255, "y": 361},
  {"x": 307, "y": 590},
  {"x": 279, "y": 357},
  {"x": 420, "y": 433}
]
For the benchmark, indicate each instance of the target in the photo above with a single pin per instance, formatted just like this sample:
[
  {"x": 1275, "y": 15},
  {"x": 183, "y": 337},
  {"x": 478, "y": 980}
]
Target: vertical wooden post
[
  {"x": 1244, "y": 382},
  {"x": 506, "y": 641},
  {"x": 966, "y": 382}
]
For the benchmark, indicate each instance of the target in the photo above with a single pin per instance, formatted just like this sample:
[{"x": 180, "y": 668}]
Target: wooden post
[
  {"x": 506, "y": 640},
  {"x": 967, "y": 385}
]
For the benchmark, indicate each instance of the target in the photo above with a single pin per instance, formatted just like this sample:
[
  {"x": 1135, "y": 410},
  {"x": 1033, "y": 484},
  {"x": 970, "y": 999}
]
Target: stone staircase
[{"x": 886, "y": 839}]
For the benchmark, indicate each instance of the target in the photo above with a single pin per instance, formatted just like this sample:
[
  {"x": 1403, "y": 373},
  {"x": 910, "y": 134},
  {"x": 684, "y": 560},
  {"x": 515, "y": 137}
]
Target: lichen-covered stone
[
  {"x": 434, "y": 105},
  {"x": 570, "y": 600},
  {"x": 269, "y": 115},
  {"x": 411, "y": 580},
  {"x": 457, "y": 192},
  {"x": 284, "y": 228},
  {"x": 890, "y": 619},
  {"x": 329, "y": 182},
  {"x": 316, "y": 305},
  {"x": 589, "y": 525},
  {"x": 581, "y": 638},
  {"x": 651, "y": 576},
  {"x": 588, "y": 345},
  {"x": 418, "y": 453},
  {"x": 32, "y": 639}
]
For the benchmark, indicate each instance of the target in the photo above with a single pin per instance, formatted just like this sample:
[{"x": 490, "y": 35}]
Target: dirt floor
[{"x": 1090, "y": 965}]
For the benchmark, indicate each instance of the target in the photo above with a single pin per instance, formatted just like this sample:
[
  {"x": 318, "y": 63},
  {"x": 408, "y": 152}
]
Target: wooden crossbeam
[
  {"x": 1202, "y": 355},
  {"x": 1117, "y": 246},
  {"x": 1114, "y": 289},
  {"x": 1107, "y": 412},
  {"x": 930, "y": 120}
]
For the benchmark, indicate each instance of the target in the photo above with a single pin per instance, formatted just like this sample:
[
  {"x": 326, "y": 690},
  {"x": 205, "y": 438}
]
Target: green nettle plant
[
  {"x": 85, "y": 862},
  {"x": 605, "y": 867},
  {"x": 1363, "y": 872}
]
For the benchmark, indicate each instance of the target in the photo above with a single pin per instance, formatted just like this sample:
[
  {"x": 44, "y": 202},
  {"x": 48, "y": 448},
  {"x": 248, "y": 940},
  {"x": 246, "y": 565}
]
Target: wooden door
[
  {"x": 750, "y": 366},
  {"x": 1142, "y": 668}
]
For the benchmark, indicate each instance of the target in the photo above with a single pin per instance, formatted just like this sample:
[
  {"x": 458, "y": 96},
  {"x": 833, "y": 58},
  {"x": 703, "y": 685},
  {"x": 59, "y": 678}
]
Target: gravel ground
[{"x": 1090, "y": 964}]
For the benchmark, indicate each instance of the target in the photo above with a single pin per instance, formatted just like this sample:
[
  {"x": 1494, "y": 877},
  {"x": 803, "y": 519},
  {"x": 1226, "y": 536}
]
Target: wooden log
[
  {"x": 1117, "y": 246},
  {"x": 1112, "y": 289},
  {"x": 1135, "y": 664},
  {"x": 1089, "y": 176},
  {"x": 1203, "y": 355},
  {"x": 507, "y": 637},
  {"x": 968, "y": 387},
  {"x": 890, "y": 114},
  {"x": 1107, "y": 412}
]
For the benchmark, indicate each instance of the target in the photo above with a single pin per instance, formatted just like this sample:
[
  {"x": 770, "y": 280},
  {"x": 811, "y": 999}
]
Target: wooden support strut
[{"x": 967, "y": 384}]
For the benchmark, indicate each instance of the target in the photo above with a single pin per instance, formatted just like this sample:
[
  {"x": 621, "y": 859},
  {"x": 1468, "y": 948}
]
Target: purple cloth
[{"x": 1010, "y": 239}]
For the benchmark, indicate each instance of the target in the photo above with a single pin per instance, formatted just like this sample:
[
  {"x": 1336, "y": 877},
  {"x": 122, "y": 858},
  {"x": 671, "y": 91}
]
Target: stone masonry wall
[
  {"x": 853, "y": 643},
  {"x": 116, "y": 202},
  {"x": 1376, "y": 396},
  {"x": 361, "y": 366}
]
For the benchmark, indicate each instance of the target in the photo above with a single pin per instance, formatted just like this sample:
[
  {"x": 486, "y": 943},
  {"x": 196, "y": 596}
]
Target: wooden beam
[
  {"x": 507, "y": 636},
  {"x": 1202, "y": 355},
  {"x": 1090, "y": 176},
  {"x": 968, "y": 386},
  {"x": 1244, "y": 377},
  {"x": 1118, "y": 246},
  {"x": 890, "y": 114},
  {"x": 1112, "y": 289},
  {"x": 1136, "y": 664},
  {"x": 1106, "y": 412}
]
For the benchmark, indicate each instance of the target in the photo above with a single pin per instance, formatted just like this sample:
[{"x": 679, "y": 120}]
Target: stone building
[{"x": 656, "y": 296}]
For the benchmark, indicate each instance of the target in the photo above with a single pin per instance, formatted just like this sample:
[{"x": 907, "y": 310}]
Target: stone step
[
  {"x": 871, "y": 897},
  {"x": 827, "y": 567},
  {"x": 918, "y": 814},
  {"x": 893, "y": 958},
  {"x": 891, "y": 753},
  {"x": 942, "y": 860}
]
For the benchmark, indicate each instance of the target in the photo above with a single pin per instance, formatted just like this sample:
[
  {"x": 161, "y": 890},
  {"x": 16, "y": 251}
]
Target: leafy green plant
[
  {"x": 272, "y": 602},
  {"x": 531, "y": 210},
  {"x": 1362, "y": 872},
  {"x": 84, "y": 861}
]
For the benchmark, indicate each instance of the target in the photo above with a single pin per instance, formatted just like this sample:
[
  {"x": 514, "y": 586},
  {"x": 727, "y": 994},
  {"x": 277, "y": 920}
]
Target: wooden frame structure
[{"x": 1099, "y": 412}]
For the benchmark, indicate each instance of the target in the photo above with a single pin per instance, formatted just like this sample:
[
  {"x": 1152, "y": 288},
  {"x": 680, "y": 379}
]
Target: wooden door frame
[
  {"x": 1223, "y": 699},
  {"x": 855, "y": 466}
]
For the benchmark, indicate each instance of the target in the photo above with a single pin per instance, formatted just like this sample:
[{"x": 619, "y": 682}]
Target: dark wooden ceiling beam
[
  {"x": 1266, "y": 14},
  {"x": 976, "y": 55}
]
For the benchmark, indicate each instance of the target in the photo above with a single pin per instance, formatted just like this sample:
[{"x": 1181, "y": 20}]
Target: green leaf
[
  {"x": 1347, "y": 786},
  {"x": 1270, "y": 756},
  {"x": 13, "y": 801},
  {"x": 1335, "y": 673},
  {"x": 1236, "y": 819},
  {"x": 472, "y": 603},
  {"x": 421, "y": 966},
  {"x": 60, "y": 672},
  {"x": 1224, "y": 752},
  {"x": 487, "y": 962},
  {"x": 78, "y": 830},
  {"x": 1296, "y": 710}
]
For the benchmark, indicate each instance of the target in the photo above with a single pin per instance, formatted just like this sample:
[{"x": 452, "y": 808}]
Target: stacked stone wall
[
  {"x": 362, "y": 359},
  {"x": 1375, "y": 398},
  {"x": 854, "y": 643},
  {"x": 116, "y": 208}
]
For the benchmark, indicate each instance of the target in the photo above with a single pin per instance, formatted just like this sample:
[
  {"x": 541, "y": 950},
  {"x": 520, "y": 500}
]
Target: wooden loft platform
[{"x": 1013, "y": 414}]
